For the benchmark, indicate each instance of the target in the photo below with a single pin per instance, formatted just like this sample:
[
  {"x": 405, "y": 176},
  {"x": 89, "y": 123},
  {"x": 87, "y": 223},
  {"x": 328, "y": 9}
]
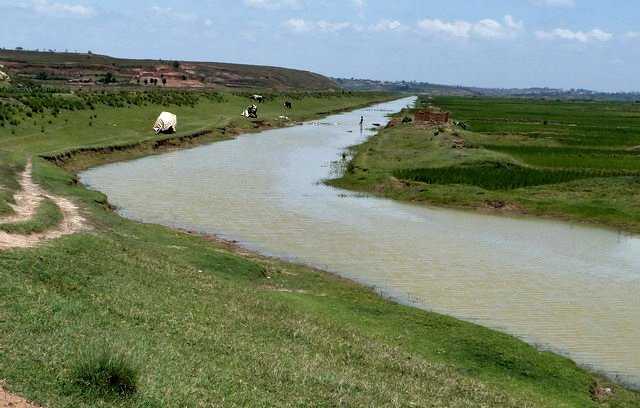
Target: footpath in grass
[
  {"x": 138, "y": 315},
  {"x": 570, "y": 160},
  {"x": 47, "y": 216}
]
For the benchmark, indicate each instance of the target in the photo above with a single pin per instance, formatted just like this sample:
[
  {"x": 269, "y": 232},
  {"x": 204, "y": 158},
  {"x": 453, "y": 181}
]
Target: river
[{"x": 569, "y": 288}]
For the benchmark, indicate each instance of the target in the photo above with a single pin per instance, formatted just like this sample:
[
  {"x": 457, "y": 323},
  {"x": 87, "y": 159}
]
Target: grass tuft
[{"x": 104, "y": 374}]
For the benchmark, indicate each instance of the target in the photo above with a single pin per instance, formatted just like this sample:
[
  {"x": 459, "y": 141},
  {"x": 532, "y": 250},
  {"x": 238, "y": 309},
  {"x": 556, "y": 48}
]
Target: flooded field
[{"x": 573, "y": 289}]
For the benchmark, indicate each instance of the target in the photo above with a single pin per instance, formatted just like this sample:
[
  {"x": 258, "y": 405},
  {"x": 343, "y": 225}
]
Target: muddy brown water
[{"x": 570, "y": 288}]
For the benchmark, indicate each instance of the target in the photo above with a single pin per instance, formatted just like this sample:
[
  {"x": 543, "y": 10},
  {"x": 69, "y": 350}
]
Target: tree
[
  {"x": 164, "y": 81},
  {"x": 146, "y": 82},
  {"x": 176, "y": 64}
]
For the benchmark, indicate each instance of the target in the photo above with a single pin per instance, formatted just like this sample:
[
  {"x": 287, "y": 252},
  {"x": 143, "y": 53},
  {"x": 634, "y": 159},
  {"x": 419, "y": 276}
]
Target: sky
[{"x": 590, "y": 44}]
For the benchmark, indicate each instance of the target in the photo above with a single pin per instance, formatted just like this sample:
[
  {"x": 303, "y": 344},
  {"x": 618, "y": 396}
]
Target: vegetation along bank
[{"x": 574, "y": 160}]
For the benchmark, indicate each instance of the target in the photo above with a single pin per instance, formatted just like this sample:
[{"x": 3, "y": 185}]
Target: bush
[{"x": 103, "y": 374}]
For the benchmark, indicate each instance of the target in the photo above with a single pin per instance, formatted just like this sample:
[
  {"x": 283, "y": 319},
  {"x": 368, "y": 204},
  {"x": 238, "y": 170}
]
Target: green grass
[
  {"x": 108, "y": 126},
  {"x": 606, "y": 124},
  {"x": 581, "y": 165},
  {"x": 498, "y": 176},
  {"x": 572, "y": 157},
  {"x": 187, "y": 322},
  {"x": 47, "y": 216}
]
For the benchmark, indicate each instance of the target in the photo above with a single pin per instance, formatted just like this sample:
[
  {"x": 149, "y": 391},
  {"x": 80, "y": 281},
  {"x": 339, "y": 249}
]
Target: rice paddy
[{"x": 499, "y": 176}]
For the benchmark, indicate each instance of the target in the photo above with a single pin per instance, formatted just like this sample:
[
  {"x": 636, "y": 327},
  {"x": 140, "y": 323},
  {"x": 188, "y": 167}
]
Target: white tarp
[{"x": 166, "y": 122}]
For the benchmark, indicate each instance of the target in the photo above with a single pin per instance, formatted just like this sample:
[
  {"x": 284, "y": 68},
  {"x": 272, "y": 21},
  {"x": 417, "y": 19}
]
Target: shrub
[{"x": 351, "y": 167}]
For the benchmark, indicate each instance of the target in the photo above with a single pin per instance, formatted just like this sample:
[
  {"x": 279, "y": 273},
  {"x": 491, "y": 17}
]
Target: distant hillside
[
  {"x": 94, "y": 69},
  {"x": 354, "y": 84}
]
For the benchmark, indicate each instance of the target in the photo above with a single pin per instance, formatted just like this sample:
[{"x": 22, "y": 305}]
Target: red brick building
[{"x": 427, "y": 116}]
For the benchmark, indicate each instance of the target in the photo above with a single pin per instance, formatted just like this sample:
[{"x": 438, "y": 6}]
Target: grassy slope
[
  {"x": 114, "y": 126},
  {"x": 204, "y": 326},
  {"x": 578, "y": 136}
]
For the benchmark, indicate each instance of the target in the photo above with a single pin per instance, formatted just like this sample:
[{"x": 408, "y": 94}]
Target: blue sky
[{"x": 498, "y": 43}]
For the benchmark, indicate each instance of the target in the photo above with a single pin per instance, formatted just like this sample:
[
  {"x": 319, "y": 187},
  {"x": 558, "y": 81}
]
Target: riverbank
[
  {"x": 571, "y": 161},
  {"x": 194, "y": 322}
]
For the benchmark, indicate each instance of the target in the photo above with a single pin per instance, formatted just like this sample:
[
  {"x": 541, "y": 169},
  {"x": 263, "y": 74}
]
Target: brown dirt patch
[
  {"x": 8, "y": 400},
  {"x": 500, "y": 205}
]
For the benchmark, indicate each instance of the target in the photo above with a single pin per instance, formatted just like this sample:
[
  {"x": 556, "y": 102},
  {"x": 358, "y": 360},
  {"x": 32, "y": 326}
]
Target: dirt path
[
  {"x": 26, "y": 204},
  {"x": 27, "y": 200},
  {"x": 8, "y": 400}
]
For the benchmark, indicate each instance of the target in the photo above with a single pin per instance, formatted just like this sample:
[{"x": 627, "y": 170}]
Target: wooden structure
[{"x": 427, "y": 116}]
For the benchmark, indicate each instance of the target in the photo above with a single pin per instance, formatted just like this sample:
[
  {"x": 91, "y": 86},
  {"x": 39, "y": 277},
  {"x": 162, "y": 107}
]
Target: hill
[{"x": 88, "y": 69}]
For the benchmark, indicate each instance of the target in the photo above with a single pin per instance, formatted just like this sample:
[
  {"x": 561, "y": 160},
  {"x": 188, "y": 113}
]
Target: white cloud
[
  {"x": 46, "y": 7},
  {"x": 487, "y": 28},
  {"x": 388, "y": 25},
  {"x": 581, "y": 36},
  {"x": 359, "y": 4},
  {"x": 300, "y": 25},
  {"x": 510, "y": 22},
  {"x": 273, "y": 4},
  {"x": 332, "y": 26},
  {"x": 297, "y": 24},
  {"x": 632, "y": 34},
  {"x": 554, "y": 3},
  {"x": 454, "y": 28},
  {"x": 171, "y": 14}
]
